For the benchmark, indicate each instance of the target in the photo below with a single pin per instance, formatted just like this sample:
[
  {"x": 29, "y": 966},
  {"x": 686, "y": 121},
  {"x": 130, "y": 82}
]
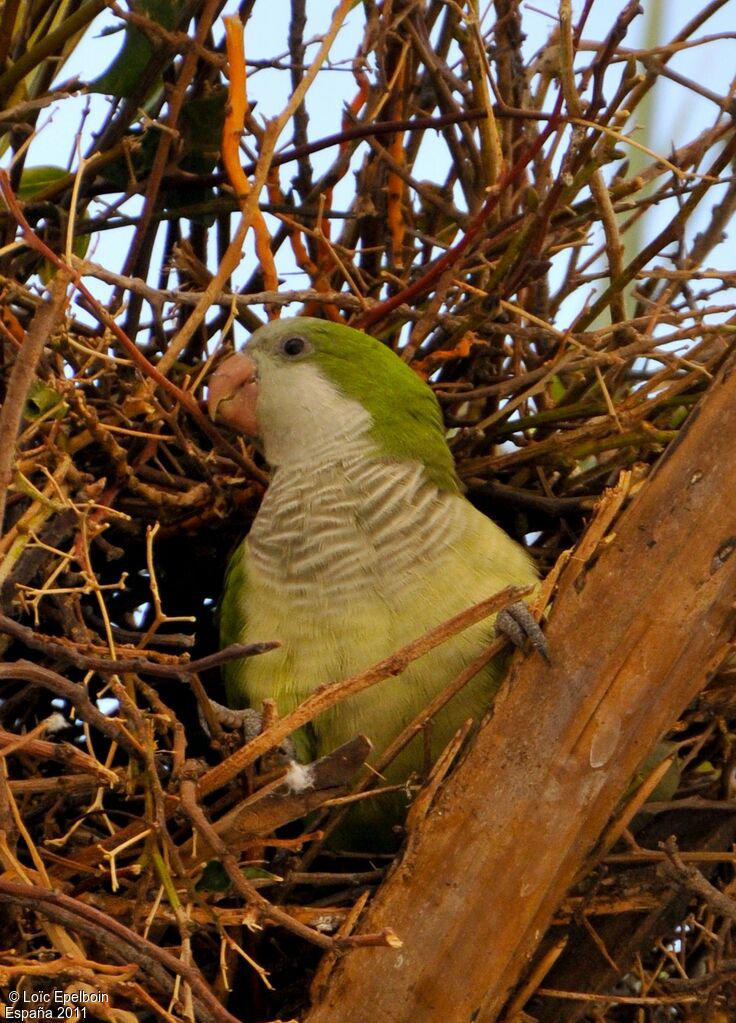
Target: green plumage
[
  {"x": 363, "y": 542},
  {"x": 407, "y": 420},
  {"x": 232, "y": 623}
]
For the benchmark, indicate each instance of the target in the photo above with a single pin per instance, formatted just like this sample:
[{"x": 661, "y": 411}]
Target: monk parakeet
[{"x": 364, "y": 541}]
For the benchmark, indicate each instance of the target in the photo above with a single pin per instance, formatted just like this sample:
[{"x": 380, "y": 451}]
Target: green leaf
[
  {"x": 34, "y": 180},
  {"x": 123, "y": 76},
  {"x": 202, "y": 124},
  {"x": 44, "y": 401},
  {"x": 214, "y": 878},
  {"x": 556, "y": 389}
]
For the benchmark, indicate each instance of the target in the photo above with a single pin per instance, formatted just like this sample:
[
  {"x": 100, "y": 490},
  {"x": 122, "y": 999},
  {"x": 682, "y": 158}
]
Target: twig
[
  {"x": 691, "y": 879},
  {"x": 106, "y": 665},
  {"x": 77, "y": 697},
  {"x": 271, "y": 134},
  {"x": 160, "y": 967},
  {"x": 182, "y": 397},
  {"x": 252, "y": 897},
  {"x": 44, "y": 323}
]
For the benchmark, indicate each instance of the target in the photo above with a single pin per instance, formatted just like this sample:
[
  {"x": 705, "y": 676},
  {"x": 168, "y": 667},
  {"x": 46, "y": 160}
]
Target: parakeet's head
[{"x": 305, "y": 385}]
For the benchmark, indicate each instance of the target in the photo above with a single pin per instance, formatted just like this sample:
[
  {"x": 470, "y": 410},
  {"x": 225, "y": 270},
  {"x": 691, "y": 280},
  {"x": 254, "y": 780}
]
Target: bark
[{"x": 634, "y": 637}]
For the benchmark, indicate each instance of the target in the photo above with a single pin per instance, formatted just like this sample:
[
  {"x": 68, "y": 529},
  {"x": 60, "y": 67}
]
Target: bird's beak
[{"x": 233, "y": 391}]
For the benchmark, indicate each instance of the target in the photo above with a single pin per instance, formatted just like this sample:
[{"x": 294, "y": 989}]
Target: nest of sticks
[{"x": 147, "y": 854}]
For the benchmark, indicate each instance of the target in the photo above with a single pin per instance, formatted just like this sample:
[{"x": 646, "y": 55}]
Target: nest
[{"x": 153, "y": 865}]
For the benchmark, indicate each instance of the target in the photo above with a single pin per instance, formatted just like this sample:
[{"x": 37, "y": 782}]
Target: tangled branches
[{"x": 491, "y": 212}]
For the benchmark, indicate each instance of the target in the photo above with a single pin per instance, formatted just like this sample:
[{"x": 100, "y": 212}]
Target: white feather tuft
[
  {"x": 55, "y": 723},
  {"x": 299, "y": 777}
]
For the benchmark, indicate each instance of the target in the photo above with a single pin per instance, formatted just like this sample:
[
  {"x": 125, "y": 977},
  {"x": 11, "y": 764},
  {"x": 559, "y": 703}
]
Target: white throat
[
  {"x": 316, "y": 424},
  {"x": 338, "y": 521}
]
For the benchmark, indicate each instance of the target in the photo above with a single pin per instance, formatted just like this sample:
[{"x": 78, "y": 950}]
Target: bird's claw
[
  {"x": 517, "y": 623},
  {"x": 249, "y": 723}
]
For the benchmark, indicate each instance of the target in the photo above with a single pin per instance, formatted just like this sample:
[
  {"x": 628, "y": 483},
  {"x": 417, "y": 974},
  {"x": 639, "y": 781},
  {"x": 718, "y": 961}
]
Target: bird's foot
[
  {"x": 517, "y": 623},
  {"x": 249, "y": 723}
]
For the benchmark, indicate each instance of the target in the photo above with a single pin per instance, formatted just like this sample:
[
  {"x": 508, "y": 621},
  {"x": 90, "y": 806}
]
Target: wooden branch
[
  {"x": 283, "y": 801},
  {"x": 634, "y": 638}
]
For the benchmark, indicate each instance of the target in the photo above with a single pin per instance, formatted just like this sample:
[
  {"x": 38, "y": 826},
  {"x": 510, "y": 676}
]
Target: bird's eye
[{"x": 293, "y": 346}]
